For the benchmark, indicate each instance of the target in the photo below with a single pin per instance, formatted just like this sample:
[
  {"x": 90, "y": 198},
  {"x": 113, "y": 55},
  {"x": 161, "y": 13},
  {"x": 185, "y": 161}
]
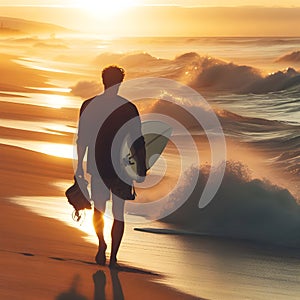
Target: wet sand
[{"x": 42, "y": 258}]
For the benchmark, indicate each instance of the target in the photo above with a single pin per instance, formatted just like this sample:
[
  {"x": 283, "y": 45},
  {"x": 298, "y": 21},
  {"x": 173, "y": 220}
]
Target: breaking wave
[
  {"x": 293, "y": 57},
  {"x": 243, "y": 208},
  {"x": 204, "y": 73}
]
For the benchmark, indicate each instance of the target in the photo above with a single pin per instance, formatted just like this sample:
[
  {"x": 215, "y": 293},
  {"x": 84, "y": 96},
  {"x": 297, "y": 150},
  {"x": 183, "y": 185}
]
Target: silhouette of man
[{"x": 106, "y": 121}]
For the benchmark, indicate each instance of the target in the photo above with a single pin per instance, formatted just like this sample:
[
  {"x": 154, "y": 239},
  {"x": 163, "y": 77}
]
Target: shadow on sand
[
  {"x": 72, "y": 293},
  {"x": 100, "y": 279}
]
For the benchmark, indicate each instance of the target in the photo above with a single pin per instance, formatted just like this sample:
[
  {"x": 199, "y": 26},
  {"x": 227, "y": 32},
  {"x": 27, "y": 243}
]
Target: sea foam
[{"x": 243, "y": 208}]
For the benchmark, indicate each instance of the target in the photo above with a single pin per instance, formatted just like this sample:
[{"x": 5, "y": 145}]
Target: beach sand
[{"x": 43, "y": 258}]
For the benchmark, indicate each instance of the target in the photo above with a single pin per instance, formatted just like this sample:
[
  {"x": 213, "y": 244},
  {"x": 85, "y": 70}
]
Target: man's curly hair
[{"x": 112, "y": 75}]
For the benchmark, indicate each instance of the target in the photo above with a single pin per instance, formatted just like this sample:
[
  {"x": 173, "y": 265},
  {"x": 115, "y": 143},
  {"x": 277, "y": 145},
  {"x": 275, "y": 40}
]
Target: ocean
[{"x": 245, "y": 243}]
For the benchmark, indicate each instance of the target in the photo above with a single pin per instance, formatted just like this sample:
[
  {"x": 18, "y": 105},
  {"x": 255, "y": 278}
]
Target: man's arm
[
  {"x": 137, "y": 148},
  {"x": 81, "y": 143},
  {"x": 80, "y": 153}
]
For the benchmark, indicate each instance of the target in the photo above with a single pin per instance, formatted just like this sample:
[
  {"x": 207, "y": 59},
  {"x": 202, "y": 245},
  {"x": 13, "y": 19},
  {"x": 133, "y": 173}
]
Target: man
[{"x": 106, "y": 121}]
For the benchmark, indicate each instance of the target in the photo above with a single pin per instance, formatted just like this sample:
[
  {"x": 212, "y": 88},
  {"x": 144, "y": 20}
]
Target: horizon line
[{"x": 154, "y": 5}]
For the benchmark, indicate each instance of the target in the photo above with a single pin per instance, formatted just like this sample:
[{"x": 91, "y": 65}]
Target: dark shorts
[
  {"x": 101, "y": 191},
  {"x": 120, "y": 188}
]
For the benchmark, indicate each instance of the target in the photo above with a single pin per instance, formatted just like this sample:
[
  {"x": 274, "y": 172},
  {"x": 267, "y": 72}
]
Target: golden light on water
[
  {"x": 55, "y": 101},
  {"x": 53, "y": 149},
  {"x": 58, "y": 208},
  {"x": 59, "y": 150}
]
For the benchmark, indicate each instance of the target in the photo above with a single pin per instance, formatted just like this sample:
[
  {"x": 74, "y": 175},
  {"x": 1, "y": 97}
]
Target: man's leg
[
  {"x": 98, "y": 222},
  {"x": 117, "y": 228},
  {"x": 99, "y": 194}
]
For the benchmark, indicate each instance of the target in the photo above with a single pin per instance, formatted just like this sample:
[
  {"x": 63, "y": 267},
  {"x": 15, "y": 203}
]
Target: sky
[
  {"x": 282, "y": 3},
  {"x": 120, "y": 18}
]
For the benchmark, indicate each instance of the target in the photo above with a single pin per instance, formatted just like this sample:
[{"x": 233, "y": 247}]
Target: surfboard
[{"x": 156, "y": 135}]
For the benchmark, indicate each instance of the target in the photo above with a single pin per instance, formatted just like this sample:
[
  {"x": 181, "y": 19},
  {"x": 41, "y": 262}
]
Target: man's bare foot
[
  {"x": 113, "y": 264},
  {"x": 100, "y": 256}
]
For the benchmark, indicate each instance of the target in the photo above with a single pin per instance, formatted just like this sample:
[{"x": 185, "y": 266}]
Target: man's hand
[
  {"x": 141, "y": 171},
  {"x": 79, "y": 171},
  {"x": 140, "y": 179},
  {"x": 139, "y": 155}
]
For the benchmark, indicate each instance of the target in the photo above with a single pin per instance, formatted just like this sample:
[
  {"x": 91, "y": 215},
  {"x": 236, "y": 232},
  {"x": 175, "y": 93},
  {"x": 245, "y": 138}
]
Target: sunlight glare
[
  {"x": 59, "y": 150},
  {"x": 88, "y": 227},
  {"x": 106, "y": 9}
]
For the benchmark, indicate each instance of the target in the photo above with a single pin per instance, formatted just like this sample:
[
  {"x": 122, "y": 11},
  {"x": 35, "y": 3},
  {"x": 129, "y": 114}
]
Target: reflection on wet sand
[
  {"x": 100, "y": 282},
  {"x": 103, "y": 281},
  {"x": 99, "y": 285}
]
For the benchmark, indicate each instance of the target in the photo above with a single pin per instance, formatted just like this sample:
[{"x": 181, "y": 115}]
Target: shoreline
[{"x": 44, "y": 258}]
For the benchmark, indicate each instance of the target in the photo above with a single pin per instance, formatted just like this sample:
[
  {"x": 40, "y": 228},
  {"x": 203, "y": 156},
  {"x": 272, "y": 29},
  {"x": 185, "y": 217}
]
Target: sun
[{"x": 106, "y": 8}]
